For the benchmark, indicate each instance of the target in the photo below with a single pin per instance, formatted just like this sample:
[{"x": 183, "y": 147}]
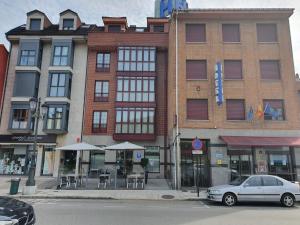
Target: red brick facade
[{"x": 3, "y": 65}]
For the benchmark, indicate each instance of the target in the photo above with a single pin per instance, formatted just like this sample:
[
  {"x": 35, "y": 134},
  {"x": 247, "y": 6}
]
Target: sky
[{"x": 13, "y": 12}]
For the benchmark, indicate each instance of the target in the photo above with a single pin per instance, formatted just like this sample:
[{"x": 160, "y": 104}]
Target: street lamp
[{"x": 38, "y": 112}]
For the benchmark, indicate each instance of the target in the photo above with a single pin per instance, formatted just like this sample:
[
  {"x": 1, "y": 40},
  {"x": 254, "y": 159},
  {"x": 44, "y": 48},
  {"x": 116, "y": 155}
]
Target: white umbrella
[{"x": 79, "y": 147}]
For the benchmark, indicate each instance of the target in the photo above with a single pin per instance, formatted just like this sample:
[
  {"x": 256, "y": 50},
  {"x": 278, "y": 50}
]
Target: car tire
[
  {"x": 287, "y": 200},
  {"x": 229, "y": 199}
]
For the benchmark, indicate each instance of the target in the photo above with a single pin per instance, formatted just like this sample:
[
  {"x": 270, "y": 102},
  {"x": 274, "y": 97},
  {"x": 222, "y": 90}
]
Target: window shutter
[
  {"x": 233, "y": 69},
  {"x": 195, "y": 33},
  {"x": 269, "y": 69},
  {"x": 197, "y": 109},
  {"x": 235, "y": 109},
  {"x": 196, "y": 69},
  {"x": 231, "y": 32},
  {"x": 266, "y": 32}
]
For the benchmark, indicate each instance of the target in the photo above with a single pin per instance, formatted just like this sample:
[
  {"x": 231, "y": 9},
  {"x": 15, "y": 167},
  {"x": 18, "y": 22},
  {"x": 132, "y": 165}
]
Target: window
[
  {"x": 266, "y": 32},
  {"x": 271, "y": 181},
  {"x": 59, "y": 85},
  {"x": 233, "y": 69},
  {"x": 61, "y": 55},
  {"x": 254, "y": 181},
  {"x": 35, "y": 24},
  {"x": 20, "y": 118},
  {"x": 103, "y": 62},
  {"x": 136, "y": 59},
  {"x": 135, "y": 120},
  {"x": 27, "y": 58},
  {"x": 274, "y": 109},
  {"x": 158, "y": 28},
  {"x": 195, "y": 33},
  {"x": 231, "y": 32},
  {"x": 114, "y": 28},
  {"x": 269, "y": 69},
  {"x": 55, "y": 118},
  {"x": 196, "y": 69},
  {"x": 101, "y": 91},
  {"x": 235, "y": 109},
  {"x": 136, "y": 89},
  {"x": 197, "y": 109},
  {"x": 153, "y": 154},
  {"x": 99, "y": 122},
  {"x": 26, "y": 84},
  {"x": 68, "y": 24}
]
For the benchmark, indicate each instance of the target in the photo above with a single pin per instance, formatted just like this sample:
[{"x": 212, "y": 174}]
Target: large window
[
  {"x": 270, "y": 69},
  {"x": 103, "y": 61},
  {"x": 20, "y": 118},
  {"x": 35, "y": 24},
  {"x": 101, "y": 91},
  {"x": 231, "y": 32},
  {"x": 266, "y": 32},
  {"x": 233, "y": 69},
  {"x": 99, "y": 122},
  {"x": 195, "y": 33},
  {"x": 55, "y": 118},
  {"x": 135, "y": 120},
  {"x": 153, "y": 154},
  {"x": 274, "y": 109},
  {"x": 235, "y": 109},
  {"x": 27, "y": 58},
  {"x": 68, "y": 24},
  {"x": 196, "y": 69},
  {"x": 59, "y": 85},
  {"x": 61, "y": 55},
  {"x": 136, "y": 59},
  {"x": 197, "y": 109},
  {"x": 136, "y": 89}
]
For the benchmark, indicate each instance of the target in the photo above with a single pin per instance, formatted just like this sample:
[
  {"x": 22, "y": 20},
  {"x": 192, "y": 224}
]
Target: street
[{"x": 117, "y": 212}]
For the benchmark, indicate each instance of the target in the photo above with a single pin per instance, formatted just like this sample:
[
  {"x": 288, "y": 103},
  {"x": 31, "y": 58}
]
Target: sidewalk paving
[{"x": 45, "y": 190}]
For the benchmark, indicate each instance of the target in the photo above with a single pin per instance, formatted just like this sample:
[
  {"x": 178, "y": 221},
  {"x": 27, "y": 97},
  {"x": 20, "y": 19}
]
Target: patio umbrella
[
  {"x": 79, "y": 147},
  {"x": 125, "y": 146}
]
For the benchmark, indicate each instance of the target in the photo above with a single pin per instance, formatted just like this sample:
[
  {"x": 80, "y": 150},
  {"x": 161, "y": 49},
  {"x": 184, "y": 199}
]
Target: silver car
[{"x": 256, "y": 188}]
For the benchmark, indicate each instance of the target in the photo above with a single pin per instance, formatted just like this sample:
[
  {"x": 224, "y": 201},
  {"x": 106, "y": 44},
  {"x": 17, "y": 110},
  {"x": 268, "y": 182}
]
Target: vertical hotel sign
[
  {"x": 219, "y": 84},
  {"x": 167, "y": 6}
]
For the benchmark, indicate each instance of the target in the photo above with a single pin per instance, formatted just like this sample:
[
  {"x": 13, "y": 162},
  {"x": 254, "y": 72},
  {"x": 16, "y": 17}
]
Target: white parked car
[{"x": 256, "y": 188}]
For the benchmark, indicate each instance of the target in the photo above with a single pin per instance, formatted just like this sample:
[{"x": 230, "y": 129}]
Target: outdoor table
[
  {"x": 106, "y": 175},
  {"x": 78, "y": 176},
  {"x": 135, "y": 176}
]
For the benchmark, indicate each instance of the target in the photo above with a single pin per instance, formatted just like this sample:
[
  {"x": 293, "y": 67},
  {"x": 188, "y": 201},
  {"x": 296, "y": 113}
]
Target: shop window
[
  {"x": 103, "y": 62},
  {"x": 136, "y": 89},
  {"x": 196, "y": 69},
  {"x": 233, "y": 69},
  {"x": 197, "y": 109},
  {"x": 61, "y": 55},
  {"x": 99, "y": 122},
  {"x": 279, "y": 164},
  {"x": 266, "y": 32},
  {"x": 195, "y": 33},
  {"x": 13, "y": 161},
  {"x": 235, "y": 109},
  {"x": 68, "y": 24},
  {"x": 101, "y": 91},
  {"x": 153, "y": 154},
  {"x": 136, "y": 59},
  {"x": 35, "y": 24},
  {"x": 59, "y": 85},
  {"x": 270, "y": 69},
  {"x": 274, "y": 109},
  {"x": 135, "y": 120},
  {"x": 231, "y": 32}
]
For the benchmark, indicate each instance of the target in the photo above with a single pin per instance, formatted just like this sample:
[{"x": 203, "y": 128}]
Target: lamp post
[{"x": 35, "y": 108}]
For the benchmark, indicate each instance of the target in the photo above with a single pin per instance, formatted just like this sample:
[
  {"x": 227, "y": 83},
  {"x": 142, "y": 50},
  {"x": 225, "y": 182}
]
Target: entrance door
[
  {"x": 48, "y": 161},
  {"x": 240, "y": 165}
]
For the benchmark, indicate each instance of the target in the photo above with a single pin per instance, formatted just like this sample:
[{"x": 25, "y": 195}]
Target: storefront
[{"x": 16, "y": 153}]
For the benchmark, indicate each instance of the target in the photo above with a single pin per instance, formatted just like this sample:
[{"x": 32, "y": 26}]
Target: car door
[
  {"x": 251, "y": 190},
  {"x": 273, "y": 188}
]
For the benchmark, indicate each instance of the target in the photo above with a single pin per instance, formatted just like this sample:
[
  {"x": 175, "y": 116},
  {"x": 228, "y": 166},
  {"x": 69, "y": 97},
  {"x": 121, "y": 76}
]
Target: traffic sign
[{"x": 197, "y": 144}]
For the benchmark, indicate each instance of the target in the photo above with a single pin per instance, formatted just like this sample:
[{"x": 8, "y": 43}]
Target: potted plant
[{"x": 144, "y": 164}]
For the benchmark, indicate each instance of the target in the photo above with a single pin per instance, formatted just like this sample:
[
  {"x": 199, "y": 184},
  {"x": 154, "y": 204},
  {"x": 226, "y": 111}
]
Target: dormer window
[
  {"x": 68, "y": 24},
  {"x": 35, "y": 24},
  {"x": 158, "y": 28},
  {"x": 114, "y": 28}
]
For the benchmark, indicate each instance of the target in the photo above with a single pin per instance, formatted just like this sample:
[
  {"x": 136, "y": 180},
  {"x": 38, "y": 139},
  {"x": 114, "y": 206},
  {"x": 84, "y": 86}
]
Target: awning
[{"x": 247, "y": 141}]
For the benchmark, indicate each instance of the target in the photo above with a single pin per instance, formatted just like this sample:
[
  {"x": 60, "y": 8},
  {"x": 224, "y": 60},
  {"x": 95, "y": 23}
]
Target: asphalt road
[{"x": 115, "y": 212}]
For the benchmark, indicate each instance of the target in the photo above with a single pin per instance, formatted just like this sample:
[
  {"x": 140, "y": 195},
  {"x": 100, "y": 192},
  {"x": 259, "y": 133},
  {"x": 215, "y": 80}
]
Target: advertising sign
[{"x": 219, "y": 83}]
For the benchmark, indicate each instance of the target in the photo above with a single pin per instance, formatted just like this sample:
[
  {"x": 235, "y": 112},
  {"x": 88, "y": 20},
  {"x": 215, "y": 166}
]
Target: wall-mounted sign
[
  {"x": 197, "y": 144},
  {"x": 219, "y": 83},
  {"x": 27, "y": 139}
]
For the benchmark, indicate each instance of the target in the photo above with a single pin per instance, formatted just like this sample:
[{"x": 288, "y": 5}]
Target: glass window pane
[
  {"x": 53, "y": 91},
  {"x": 125, "y": 97},
  {"x": 124, "y": 128},
  {"x": 131, "y": 128},
  {"x": 144, "y": 128},
  {"x": 151, "y": 85},
  {"x": 126, "y": 66},
  {"x": 151, "y": 129},
  {"x": 152, "y": 67},
  {"x": 105, "y": 87},
  {"x": 145, "y": 97},
  {"x": 145, "y": 66},
  {"x": 138, "y": 128},
  {"x": 65, "y": 51},
  {"x": 151, "y": 117},
  {"x": 132, "y": 97},
  {"x": 131, "y": 116},
  {"x": 139, "y": 97},
  {"x": 121, "y": 55},
  {"x": 60, "y": 91},
  {"x": 107, "y": 59},
  {"x": 139, "y": 66},
  {"x": 133, "y": 66},
  {"x": 145, "y": 116},
  {"x": 119, "y": 96},
  {"x": 99, "y": 58},
  {"x": 104, "y": 118},
  {"x": 127, "y": 52},
  {"x": 146, "y": 55},
  {"x": 120, "y": 66},
  {"x": 118, "y": 128},
  {"x": 145, "y": 85},
  {"x": 151, "y": 97},
  {"x": 57, "y": 51},
  {"x": 140, "y": 55},
  {"x": 125, "y": 116},
  {"x": 62, "y": 79},
  {"x": 152, "y": 55},
  {"x": 96, "y": 119},
  {"x": 139, "y": 85},
  {"x": 126, "y": 85},
  {"x": 54, "y": 81},
  {"x": 138, "y": 117},
  {"x": 120, "y": 85},
  {"x": 64, "y": 61},
  {"x": 119, "y": 116},
  {"x": 56, "y": 61},
  {"x": 132, "y": 85},
  {"x": 133, "y": 55}
]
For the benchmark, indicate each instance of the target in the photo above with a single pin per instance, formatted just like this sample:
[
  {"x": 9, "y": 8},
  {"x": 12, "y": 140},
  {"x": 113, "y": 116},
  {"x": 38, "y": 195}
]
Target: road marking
[{"x": 204, "y": 205}]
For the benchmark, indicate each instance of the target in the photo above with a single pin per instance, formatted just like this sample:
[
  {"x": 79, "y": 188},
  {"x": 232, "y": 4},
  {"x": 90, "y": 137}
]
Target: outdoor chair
[
  {"x": 72, "y": 180},
  {"x": 102, "y": 181},
  {"x": 63, "y": 181},
  {"x": 140, "y": 181},
  {"x": 131, "y": 181}
]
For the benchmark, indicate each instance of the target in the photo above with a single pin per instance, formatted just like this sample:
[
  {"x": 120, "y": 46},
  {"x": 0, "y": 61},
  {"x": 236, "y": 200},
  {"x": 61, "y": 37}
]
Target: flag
[
  {"x": 268, "y": 110},
  {"x": 259, "y": 112},
  {"x": 250, "y": 114}
]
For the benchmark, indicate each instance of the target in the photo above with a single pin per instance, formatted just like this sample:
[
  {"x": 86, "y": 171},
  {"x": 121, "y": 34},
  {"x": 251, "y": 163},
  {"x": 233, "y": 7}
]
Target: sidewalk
[{"x": 44, "y": 192}]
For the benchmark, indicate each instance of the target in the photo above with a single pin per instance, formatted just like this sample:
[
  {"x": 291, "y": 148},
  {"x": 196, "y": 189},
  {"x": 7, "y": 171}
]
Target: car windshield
[{"x": 238, "y": 181}]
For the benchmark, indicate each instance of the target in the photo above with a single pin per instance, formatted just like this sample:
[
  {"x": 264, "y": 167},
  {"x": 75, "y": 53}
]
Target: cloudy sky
[{"x": 13, "y": 12}]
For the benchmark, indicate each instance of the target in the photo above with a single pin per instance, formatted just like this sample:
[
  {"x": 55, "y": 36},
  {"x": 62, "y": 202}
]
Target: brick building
[
  {"x": 126, "y": 91},
  {"x": 254, "y": 128},
  {"x": 3, "y": 66}
]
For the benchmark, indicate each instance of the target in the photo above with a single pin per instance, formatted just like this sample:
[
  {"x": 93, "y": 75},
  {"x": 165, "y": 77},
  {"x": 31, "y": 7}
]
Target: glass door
[
  {"x": 240, "y": 165},
  {"x": 48, "y": 161}
]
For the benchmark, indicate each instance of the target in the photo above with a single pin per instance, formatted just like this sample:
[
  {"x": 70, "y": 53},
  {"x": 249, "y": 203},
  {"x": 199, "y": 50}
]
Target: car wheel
[
  {"x": 288, "y": 200},
  {"x": 229, "y": 199}
]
